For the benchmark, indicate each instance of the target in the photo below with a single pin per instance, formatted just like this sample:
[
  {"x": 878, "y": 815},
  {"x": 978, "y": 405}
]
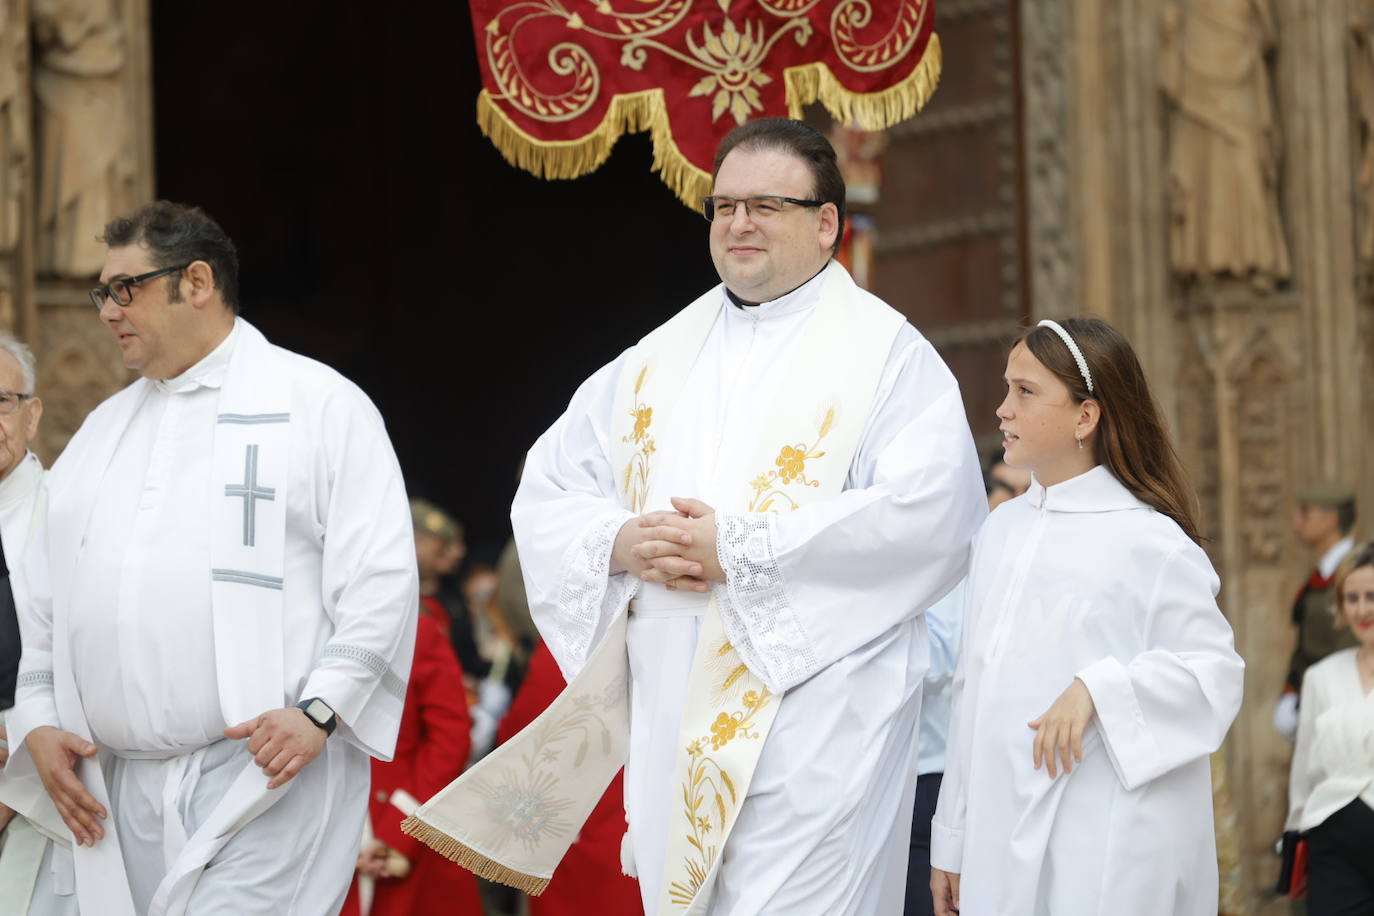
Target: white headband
[{"x": 1073, "y": 348}]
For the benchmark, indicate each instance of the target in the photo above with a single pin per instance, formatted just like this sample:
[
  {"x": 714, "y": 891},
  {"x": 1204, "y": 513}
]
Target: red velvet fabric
[{"x": 556, "y": 75}]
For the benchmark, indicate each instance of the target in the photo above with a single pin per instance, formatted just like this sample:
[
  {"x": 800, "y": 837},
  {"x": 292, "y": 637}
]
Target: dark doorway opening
[{"x": 380, "y": 232}]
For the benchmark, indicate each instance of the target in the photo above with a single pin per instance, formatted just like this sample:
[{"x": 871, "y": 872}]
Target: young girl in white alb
[{"x": 1097, "y": 673}]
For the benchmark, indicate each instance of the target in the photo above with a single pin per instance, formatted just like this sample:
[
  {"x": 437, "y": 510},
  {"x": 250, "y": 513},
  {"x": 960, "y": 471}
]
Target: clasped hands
[{"x": 675, "y": 549}]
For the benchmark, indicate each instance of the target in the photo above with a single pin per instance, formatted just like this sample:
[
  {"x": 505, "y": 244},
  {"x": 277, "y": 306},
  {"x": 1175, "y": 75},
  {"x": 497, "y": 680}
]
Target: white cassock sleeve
[
  {"x": 1172, "y": 703},
  {"x": 368, "y": 576},
  {"x": 566, "y": 516},
  {"x": 807, "y": 588},
  {"x": 35, "y": 703}
]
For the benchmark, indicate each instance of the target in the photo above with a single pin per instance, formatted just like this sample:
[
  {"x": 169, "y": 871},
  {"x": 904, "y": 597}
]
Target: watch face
[{"x": 319, "y": 711}]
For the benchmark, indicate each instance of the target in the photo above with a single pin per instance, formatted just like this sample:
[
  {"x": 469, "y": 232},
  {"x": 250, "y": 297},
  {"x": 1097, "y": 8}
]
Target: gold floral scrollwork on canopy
[
  {"x": 562, "y": 80},
  {"x": 853, "y": 16}
]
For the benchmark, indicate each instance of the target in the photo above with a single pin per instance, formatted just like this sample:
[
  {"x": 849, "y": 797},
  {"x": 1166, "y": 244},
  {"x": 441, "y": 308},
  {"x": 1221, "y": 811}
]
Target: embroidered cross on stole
[{"x": 513, "y": 815}]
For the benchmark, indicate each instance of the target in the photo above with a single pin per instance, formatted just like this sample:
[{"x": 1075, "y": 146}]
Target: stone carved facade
[
  {"x": 1047, "y": 141},
  {"x": 1245, "y": 319},
  {"x": 75, "y": 150},
  {"x": 1224, "y": 141},
  {"x": 1262, "y": 388}
]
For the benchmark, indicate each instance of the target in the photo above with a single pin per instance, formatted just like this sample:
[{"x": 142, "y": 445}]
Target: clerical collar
[
  {"x": 208, "y": 373},
  {"x": 793, "y": 300}
]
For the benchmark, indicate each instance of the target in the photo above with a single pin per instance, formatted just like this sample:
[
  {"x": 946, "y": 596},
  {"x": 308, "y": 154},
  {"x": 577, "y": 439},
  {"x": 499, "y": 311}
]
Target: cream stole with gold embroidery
[{"x": 513, "y": 815}]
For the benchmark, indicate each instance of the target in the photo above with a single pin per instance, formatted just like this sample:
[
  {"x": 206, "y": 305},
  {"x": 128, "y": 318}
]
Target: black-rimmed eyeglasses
[
  {"x": 121, "y": 289},
  {"x": 759, "y": 209}
]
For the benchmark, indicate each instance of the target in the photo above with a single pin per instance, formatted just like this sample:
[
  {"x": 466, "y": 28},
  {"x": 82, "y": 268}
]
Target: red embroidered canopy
[{"x": 563, "y": 79}]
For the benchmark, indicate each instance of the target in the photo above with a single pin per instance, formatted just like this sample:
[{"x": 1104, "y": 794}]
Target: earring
[{"x": 1079, "y": 441}]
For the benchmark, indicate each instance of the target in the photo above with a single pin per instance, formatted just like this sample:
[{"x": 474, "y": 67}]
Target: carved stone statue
[
  {"x": 83, "y": 144},
  {"x": 1224, "y": 142}
]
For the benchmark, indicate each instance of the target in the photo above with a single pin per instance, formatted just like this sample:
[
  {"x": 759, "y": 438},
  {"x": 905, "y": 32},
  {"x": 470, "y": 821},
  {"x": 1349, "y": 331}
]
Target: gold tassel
[
  {"x": 632, "y": 113},
  {"x": 470, "y": 859},
  {"x": 866, "y": 110},
  {"x": 648, "y": 110}
]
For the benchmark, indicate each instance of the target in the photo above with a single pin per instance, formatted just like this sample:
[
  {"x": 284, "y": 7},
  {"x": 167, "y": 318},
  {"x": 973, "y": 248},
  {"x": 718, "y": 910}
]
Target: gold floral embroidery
[
  {"x": 790, "y": 468},
  {"x": 710, "y": 783},
  {"x": 636, "y": 478}
]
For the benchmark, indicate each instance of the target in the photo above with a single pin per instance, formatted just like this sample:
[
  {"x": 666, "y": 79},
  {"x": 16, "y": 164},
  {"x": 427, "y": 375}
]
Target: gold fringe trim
[
  {"x": 470, "y": 859},
  {"x": 648, "y": 110},
  {"x": 866, "y": 110},
  {"x": 632, "y": 113}
]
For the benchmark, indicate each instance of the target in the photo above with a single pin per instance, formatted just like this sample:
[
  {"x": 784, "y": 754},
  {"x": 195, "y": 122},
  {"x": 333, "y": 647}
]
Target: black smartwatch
[{"x": 318, "y": 711}]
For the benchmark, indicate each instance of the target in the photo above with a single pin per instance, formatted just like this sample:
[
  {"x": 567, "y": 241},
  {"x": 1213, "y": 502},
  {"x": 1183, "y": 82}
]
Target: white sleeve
[
  {"x": 898, "y": 535},
  {"x": 1302, "y": 776},
  {"x": 566, "y": 516},
  {"x": 35, "y": 701},
  {"x": 1174, "y": 702},
  {"x": 368, "y": 575}
]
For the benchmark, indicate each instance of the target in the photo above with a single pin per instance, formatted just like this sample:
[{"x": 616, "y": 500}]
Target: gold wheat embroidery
[
  {"x": 708, "y": 784},
  {"x": 635, "y": 483}
]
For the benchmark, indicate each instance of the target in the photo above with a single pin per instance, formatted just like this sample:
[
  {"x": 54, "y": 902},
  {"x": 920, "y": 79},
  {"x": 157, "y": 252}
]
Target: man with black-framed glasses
[
  {"x": 219, "y": 626},
  {"x": 742, "y": 517}
]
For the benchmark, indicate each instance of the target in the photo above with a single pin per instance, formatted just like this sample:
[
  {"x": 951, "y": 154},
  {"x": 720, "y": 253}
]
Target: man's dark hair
[
  {"x": 1345, "y": 516},
  {"x": 788, "y": 136},
  {"x": 179, "y": 234}
]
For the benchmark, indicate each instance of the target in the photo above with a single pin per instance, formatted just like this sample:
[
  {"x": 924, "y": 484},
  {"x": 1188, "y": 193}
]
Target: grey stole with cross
[{"x": 249, "y": 477}]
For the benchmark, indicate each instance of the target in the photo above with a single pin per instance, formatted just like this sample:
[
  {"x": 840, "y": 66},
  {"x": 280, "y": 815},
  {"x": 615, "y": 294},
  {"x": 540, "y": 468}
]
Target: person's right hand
[
  {"x": 6, "y": 815},
  {"x": 653, "y": 553},
  {"x": 55, "y": 754},
  {"x": 944, "y": 888}
]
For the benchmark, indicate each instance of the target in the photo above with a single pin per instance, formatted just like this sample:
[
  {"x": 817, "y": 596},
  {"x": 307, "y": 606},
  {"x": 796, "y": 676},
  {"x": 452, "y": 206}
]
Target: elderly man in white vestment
[
  {"x": 35, "y": 863},
  {"x": 219, "y": 631},
  {"x": 819, "y": 589}
]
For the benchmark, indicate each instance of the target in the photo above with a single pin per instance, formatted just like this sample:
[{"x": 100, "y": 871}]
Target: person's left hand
[
  {"x": 699, "y": 521},
  {"x": 6, "y": 815},
  {"x": 372, "y": 859},
  {"x": 4, "y": 746},
  {"x": 1060, "y": 728},
  {"x": 282, "y": 742}
]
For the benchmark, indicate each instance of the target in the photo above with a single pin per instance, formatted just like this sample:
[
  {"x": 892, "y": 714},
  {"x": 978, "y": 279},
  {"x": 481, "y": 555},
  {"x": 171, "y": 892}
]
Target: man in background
[{"x": 35, "y": 863}]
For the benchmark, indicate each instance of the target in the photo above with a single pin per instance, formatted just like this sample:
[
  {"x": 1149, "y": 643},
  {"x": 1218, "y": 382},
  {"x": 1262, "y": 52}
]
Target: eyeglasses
[
  {"x": 758, "y": 209},
  {"x": 121, "y": 289},
  {"x": 10, "y": 401}
]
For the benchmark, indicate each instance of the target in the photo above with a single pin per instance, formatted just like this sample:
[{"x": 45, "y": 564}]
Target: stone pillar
[
  {"x": 1264, "y": 370},
  {"x": 93, "y": 159},
  {"x": 16, "y": 177}
]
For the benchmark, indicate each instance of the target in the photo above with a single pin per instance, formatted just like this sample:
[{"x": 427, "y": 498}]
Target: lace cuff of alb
[
  {"x": 589, "y": 597},
  {"x": 754, "y": 609}
]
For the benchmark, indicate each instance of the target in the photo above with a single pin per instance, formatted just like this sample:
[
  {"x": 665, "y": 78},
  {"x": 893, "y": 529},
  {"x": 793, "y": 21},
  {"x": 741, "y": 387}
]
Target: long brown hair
[{"x": 1131, "y": 440}]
